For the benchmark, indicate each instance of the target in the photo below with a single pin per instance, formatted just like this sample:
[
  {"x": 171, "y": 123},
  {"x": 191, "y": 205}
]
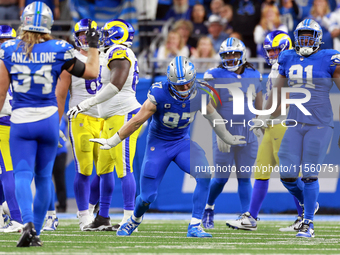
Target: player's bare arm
[
  {"x": 62, "y": 88},
  {"x": 279, "y": 83},
  {"x": 146, "y": 111},
  {"x": 4, "y": 83}
]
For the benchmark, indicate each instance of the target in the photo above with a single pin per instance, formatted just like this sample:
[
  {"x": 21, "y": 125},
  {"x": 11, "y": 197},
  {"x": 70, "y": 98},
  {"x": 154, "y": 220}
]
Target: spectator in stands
[
  {"x": 270, "y": 21},
  {"x": 320, "y": 12},
  {"x": 185, "y": 28},
  {"x": 215, "y": 6},
  {"x": 179, "y": 10},
  {"x": 198, "y": 17},
  {"x": 9, "y": 10},
  {"x": 53, "y": 4},
  {"x": 173, "y": 46},
  {"x": 246, "y": 14},
  {"x": 226, "y": 12},
  {"x": 334, "y": 28},
  {"x": 215, "y": 27},
  {"x": 204, "y": 49},
  {"x": 289, "y": 13}
]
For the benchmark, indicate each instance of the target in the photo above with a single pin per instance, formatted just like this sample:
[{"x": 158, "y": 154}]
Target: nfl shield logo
[{"x": 183, "y": 105}]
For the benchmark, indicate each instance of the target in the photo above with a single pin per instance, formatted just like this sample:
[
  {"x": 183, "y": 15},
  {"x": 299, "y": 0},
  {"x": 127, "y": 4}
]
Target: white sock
[
  {"x": 138, "y": 220},
  {"x": 91, "y": 208},
  {"x": 127, "y": 215},
  {"x": 212, "y": 207},
  {"x": 51, "y": 213},
  {"x": 195, "y": 221},
  {"x": 1, "y": 210},
  {"x": 84, "y": 213}
]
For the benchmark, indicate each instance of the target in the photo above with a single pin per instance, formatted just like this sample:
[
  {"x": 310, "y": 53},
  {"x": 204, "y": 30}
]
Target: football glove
[
  {"x": 62, "y": 136},
  {"x": 81, "y": 107},
  {"x": 92, "y": 36},
  {"x": 222, "y": 146},
  {"x": 107, "y": 143}
]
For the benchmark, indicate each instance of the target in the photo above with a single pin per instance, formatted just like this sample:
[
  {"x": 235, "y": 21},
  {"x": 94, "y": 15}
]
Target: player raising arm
[
  {"x": 33, "y": 64},
  {"x": 172, "y": 105}
]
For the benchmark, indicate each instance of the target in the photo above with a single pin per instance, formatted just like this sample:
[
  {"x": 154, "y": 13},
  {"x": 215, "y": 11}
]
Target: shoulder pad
[{"x": 336, "y": 59}]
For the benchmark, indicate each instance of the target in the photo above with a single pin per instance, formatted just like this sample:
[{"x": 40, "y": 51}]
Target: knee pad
[
  {"x": 149, "y": 199},
  {"x": 289, "y": 179},
  {"x": 221, "y": 180},
  {"x": 309, "y": 179}
]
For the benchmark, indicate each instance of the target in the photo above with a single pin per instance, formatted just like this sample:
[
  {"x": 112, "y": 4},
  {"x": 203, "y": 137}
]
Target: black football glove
[{"x": 92, "y": 36}]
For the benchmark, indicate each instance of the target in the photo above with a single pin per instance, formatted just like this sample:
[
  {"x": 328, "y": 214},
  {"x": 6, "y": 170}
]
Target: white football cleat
[
  {"x": 294, "y": 227},
  {"x": 85, "y": 220},
  {"x": 51, "y": 224},
  {"x": 244, "y": 222},
  {"x": 12, "y": 227}
]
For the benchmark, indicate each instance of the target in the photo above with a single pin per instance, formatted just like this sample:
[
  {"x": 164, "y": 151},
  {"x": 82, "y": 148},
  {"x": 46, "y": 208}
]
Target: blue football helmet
[
  {"x": 276, "y": 40},
  {"x": 307, "y": 45},
  {"x": 82, "y": 26},
  {"x": 180, "y": 72},
  {"x": 7, "y": 32},
  {"x": 117, "y": 31},
  {"x": 37, "y": 17},
  {"x": 231, "y": 46}
]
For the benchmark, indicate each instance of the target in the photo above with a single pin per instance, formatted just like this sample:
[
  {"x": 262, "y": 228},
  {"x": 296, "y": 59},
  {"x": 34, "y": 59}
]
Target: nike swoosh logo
[
  {"x": 319, "y": 127},
  {"x": 276, "y": 138},
  {"x": 247, "y": 225},
  {"x": 110, "y": 128}
]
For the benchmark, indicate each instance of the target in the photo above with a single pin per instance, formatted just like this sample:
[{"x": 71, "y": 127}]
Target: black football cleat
[
  {"x": 28, "y": 233},
  {"x": 36, "y": 241},
  {"x": 99, "y": 224}
]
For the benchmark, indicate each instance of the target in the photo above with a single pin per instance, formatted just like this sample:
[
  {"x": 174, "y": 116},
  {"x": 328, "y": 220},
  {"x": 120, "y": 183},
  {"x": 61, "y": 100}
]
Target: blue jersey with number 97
[
  {"x": 34, "y": 77},
  {"x": 313, "y": 73},
  {"x": 172, "y": 119}
]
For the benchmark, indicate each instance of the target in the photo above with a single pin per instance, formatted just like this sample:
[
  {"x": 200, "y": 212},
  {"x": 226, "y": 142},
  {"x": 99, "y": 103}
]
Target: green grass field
[{"x": 169, "y": 236}]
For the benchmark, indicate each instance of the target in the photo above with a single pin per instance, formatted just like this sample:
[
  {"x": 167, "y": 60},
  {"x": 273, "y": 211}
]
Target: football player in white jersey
[
  {"x": 7, "y": 184},
  {"x": 85, "y": 125},
  {"x": 119, "y": 77}
]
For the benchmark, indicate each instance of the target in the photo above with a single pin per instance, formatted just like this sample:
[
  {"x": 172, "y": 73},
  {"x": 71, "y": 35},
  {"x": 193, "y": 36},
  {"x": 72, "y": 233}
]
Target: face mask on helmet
[
  {"x": 232, "y": 53},
  {"x": 117, "y": 31},
  {"x": 274, "y": 43},
  {"x": 79, "y": 35},
  {"x": 7, "y": 33},
  {"x": 181, "y": 75},
  {"x": 308, "y": 36},
  {"x": 37, "y": 17}
]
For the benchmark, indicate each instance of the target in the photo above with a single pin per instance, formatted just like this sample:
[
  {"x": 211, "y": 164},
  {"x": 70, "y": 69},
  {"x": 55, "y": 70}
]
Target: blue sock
[
  {"x": 51, "y": 207},
  {"x": 216, "y": 187},
  {"x": 311, "y": 193},
  {"x": 295, "y": 188},
  {"x": 200, "y": 197},
  {"x": 23, "y": 193},
  {"x": 42, "y": 199},
  {"x": 129, "y": 190},
  {"x": 298, "y": 207},
  {"x": 107, "y": 185},
  {"x": 244, "y": 193},
  {"x": 141, "y": 207},
  {"x": 95, "y": 190},
  {"x": 259, "y": 193},
  {"x": 82, "y": 191},
  {"x": 9, "y": 195}
]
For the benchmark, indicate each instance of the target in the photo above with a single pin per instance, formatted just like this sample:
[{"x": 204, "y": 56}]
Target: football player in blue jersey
[
  {"x": 274, "y": 43},
  {"x": 7, "y": 184},
  {"x": 33, "y": 64},
  {"x": 239, "y": 76},
  {"x": 172, "y": 105},
  {"x": 309, "y": 70}
]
